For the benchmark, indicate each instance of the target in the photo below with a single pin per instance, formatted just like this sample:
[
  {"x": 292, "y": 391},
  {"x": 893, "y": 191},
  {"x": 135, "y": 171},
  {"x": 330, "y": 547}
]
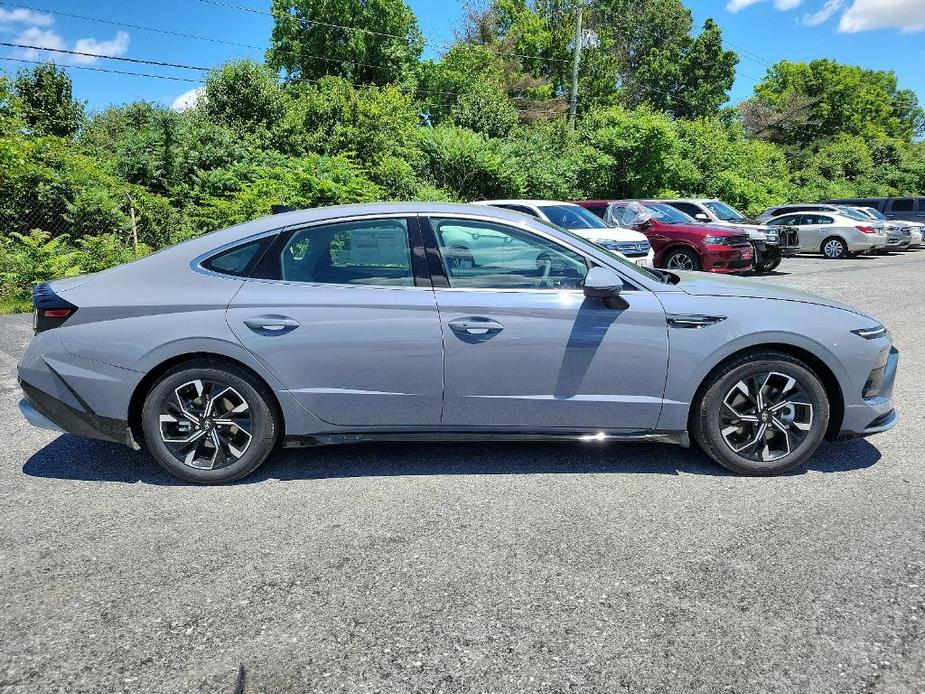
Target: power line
[
  {"x": 104, "y": 69},
  {"x": 86, "y": 54},
  {"x": 128, "y": 25}
]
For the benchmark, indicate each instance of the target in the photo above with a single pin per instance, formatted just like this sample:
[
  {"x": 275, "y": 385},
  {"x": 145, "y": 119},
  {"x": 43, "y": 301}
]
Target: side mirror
[
  {"x": 702, "y": 217},
  {"x": 602, "y": 283}
]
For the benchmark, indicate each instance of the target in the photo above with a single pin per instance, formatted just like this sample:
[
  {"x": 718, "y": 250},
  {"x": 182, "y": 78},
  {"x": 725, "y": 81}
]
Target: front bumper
[
  {"x": 874, "y": 415},
  {"x": 728, "y": 259},
  {"x": 45, "y": 411}
]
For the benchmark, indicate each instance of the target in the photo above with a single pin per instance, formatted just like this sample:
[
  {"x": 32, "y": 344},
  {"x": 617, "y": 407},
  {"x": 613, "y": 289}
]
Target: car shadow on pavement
[{"x": 74, "y": 458}]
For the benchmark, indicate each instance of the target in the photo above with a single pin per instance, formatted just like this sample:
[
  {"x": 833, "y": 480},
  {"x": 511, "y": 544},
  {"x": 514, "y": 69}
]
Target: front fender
[{"x": 751, "y": 323}]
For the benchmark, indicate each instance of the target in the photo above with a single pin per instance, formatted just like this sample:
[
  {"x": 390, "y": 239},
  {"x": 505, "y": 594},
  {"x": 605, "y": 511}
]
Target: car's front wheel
[
  {"x": 209, "y": 421},
  {"x": 681, "y": 259},
  {"x": 763, "y": 414}
]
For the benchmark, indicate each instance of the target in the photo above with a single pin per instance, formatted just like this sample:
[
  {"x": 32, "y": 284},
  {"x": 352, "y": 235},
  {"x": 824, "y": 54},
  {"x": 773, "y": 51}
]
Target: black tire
[
  {"x": 711, "y": 414},
  {"x": 772, "y": 265},
  {"x": 681, "y": 259},
  {"x": 221, "y": 385},
  {"x": 834, "y": 248}
]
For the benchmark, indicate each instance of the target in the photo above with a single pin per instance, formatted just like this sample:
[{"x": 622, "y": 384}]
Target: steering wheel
[{"x": 544, "y": 262}]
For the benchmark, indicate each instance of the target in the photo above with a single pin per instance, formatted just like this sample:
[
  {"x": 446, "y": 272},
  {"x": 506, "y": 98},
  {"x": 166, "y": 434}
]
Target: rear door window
[{"x": 368, "y": 252}]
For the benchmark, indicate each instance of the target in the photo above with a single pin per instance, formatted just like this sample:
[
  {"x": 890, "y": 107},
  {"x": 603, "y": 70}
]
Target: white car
[
  {"x": 915, "y": 228},
  {"x": 834, "y": 234},
  {"x": 631, "y": 244}
]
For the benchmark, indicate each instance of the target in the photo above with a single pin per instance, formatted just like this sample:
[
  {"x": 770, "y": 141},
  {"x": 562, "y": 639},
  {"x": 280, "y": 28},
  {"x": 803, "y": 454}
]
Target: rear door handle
[
  {"x": 275, "y": 324},
  {"x": 475, "y": 326}
]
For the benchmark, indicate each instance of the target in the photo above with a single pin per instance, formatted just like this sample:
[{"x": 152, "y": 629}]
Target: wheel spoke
[
  {"x": 206, "y": 424},
  {"x": 765, "y": 416}
]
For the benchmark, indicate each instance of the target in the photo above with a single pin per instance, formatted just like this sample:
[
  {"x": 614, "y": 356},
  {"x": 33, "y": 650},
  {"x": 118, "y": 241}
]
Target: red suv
[{"x": 679, "y": 242}]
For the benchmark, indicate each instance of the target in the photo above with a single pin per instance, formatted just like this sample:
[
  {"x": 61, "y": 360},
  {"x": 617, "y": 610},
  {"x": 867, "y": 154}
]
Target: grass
[{"x": 14, "y": 305}]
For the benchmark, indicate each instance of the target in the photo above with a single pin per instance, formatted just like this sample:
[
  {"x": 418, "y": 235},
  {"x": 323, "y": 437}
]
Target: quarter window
[
  {"x": 369, "y": 252},
  {"x": 237, "y": 261},
  {"x": 494, "y": 256}
]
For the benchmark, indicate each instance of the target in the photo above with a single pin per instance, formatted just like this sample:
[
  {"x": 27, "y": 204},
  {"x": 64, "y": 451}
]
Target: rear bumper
[{"x": 47, "y": 412}]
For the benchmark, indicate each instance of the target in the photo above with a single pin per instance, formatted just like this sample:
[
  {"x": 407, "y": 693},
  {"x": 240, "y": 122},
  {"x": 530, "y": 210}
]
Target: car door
[
  {"x": 523, "y": 346},
  {"x": 336, "y": 312}
]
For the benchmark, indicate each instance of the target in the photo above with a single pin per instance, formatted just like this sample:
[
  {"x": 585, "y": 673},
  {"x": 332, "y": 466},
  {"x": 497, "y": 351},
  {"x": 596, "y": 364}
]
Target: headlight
[
  {"x": 609, "y": 245},
  {"x": 873, "y": 333},
  {"x": 717, "y": 240}
]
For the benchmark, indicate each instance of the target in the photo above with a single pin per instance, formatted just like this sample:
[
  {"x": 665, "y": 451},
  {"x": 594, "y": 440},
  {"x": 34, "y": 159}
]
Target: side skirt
[{"x": 679, "y": 438}]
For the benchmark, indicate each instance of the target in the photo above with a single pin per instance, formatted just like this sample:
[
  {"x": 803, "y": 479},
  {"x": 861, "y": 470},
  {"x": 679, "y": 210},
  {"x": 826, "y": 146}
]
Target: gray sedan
[{"x": 429, "y": 321}]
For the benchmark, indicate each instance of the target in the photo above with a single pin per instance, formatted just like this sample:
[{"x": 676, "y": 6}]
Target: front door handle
[
  {"x": 475, "y": 326},
  {"x": 271, "y": 324}
]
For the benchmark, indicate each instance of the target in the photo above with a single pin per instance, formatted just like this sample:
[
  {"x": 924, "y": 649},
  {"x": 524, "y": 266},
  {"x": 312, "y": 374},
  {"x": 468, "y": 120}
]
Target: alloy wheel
[
  {"x": 766, "y": 416},
  {"x": 833, "y": 249},
  {"x": 206, "y": 424},
  {"x": 680, "y": 261}
]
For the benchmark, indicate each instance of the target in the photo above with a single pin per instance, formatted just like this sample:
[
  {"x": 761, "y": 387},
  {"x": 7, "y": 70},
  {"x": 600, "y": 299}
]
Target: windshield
[
  {"x": 573, "y": 217},
  {"x": 668, "y": 214},
  {"x": 724, "y": 212},
  {"x": 629, "y": 264}
]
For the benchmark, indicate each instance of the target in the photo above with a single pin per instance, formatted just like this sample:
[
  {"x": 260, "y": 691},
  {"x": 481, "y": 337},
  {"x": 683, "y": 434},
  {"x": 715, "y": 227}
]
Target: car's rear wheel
[
  {"x": 681, "y": 259},
  {"x": 762, "y": 414},
  {"x": 834, "y": 247},
  {"x": 209, "y": 421}
]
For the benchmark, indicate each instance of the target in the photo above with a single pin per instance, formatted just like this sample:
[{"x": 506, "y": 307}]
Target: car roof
[
  {"x": 696, "y": 200},
  {"x": 537, "y": 203}
]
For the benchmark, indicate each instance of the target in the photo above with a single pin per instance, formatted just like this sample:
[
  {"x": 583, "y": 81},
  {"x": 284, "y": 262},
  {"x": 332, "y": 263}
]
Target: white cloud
[
  {"x": 821, "y": 16},
  {"x": 187, "y": 100},
  {"x": 24, "y": 16},
  {"x": 782, "y": 5},
  {"x": 40, "y": 38},
  {"x": 864, "y": 15},
  {"x": 113, "y": 47}
]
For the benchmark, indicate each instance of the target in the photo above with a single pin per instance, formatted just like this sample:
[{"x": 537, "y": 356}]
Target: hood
[
  {"x": 708, "y": 284},
  {"x": 611, "y": 234},
  {"x": 703, "y": 228},
  {"x": 755, "y": 231}
]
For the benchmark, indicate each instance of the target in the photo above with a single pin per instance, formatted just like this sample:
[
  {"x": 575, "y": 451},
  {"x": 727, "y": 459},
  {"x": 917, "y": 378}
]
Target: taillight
[
  {"x": 867, "y": 230},
  {"x": 51, "y": 311}
]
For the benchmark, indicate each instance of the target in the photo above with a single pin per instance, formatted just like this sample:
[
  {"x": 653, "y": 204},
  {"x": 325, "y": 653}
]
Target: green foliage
[
  {"x": 639, "y": 147},
  {"x": 306, "y": 45},
  {"x": 46, "y": 103},
  {"x": 839, "y": 99},
  {"x": 469, "y": 165},
  {"x": 485, "y": 109},
  {"x": 244, "y": 95}
]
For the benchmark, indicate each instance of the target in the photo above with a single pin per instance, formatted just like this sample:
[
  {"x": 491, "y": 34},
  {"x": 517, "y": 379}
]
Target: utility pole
[{"x": 573, "y": 105}]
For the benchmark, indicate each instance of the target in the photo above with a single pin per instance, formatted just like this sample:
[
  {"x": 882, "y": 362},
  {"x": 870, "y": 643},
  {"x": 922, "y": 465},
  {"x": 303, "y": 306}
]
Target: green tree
[
  {"x": 380, "y": 44},
  {"x": 244, "y": 95},
  {"x": 46, "y": 102},
  {"x": 838, "y": 100},
  {"x": 485, "y": 109}
]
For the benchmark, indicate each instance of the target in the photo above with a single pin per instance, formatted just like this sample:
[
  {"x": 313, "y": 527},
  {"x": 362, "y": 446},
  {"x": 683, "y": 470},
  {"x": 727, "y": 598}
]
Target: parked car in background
[
  {"x": 772, "y": 212},
  {"x": 916, "y": 229},
  {"x": 360, "y": 323},
  {"x": 898, "y": 234},
  {"x": 679, "y": 242},
  {"x": 834, "y": 234},
  {"x": 908, "y": 209},
  {"x": 632, "y": 244},
  {"x": 771, "y": 244}
]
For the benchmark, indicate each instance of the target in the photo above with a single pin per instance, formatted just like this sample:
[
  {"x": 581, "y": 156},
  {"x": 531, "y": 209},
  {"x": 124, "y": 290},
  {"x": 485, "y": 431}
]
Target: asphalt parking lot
[{"x": 475, "y": 568}]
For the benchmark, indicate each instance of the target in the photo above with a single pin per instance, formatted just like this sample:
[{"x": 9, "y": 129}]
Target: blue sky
[{"x": 880, "y": 34}]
